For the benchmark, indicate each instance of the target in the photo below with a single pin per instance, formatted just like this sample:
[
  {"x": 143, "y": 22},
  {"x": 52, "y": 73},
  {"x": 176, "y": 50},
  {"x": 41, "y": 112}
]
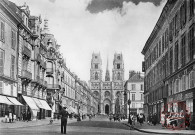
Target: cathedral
[{"x": 108, "y": 91}]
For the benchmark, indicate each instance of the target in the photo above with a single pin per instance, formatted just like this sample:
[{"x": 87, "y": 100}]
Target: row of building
[
  {"x": 33, "y": 72},
  {"x": 169, "y": 61}
]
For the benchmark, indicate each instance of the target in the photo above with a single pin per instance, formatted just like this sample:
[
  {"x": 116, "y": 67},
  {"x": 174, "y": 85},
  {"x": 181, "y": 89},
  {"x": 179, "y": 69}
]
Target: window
[
  {"x": 118, "y": 66},
  {"x": 183, "y": 83},
  {"x": 159, "y": 47},
  {"x": 183, "y": 50},
  {"x": 1, "y": 87},
  {"x": 118, "y": 57},
  {"x": 2, "y": 32},
  {"x": 171, "y": 60},
  {"x": 133, "y": 105},
  {"x": 192, "y": 79},
  {"x": 177, "y": 86},
  {"x": 191, "y": 42},
  {"x": 183, "y": 14},
  {"x": 96, "y": 66},
  {"x": 118, "y": 76},
  {"x": 171, "y": 24},
  {"x": 191, "y": 8},
  {"x": 12, "y": 89},
  {"x": 12, "y": 66},
  {"x": 13, "y": 40},
  {"x": 1, "y": 61},
  {"x": 96, "y": 76},
  {"x": 133, "y": 97},
  {"x": 142, "y": 87},
  {"x": 176, "y": 23},
  {"x": 95, "y": 57},
  {"x": 133, "y": 86},
  {"x": 176, "y": 55}
]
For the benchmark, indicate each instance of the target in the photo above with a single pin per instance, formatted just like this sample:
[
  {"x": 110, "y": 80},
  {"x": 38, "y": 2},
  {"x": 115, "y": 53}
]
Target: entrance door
[{"x": 107, "y": 109}]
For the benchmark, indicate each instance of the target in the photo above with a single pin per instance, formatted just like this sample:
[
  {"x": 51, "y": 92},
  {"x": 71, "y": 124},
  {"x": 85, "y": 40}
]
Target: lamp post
[{"x": 128, "y": 102}]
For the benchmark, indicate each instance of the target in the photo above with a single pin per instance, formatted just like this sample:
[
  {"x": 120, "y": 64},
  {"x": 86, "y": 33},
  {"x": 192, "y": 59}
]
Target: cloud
[
  {"x": 52, "y": 1},
  {"x": 96, "y": 6}
]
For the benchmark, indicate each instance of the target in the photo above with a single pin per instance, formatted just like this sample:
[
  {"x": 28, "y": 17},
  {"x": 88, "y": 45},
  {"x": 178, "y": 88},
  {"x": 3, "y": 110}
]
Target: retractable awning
[
  {"x": 38, "y": 103},
  {"x": 30, "y": 103},
  {"x": 4, "y": 100},
  {"x": 14, "y": 100},
  {"x": 45, "y": 104}
]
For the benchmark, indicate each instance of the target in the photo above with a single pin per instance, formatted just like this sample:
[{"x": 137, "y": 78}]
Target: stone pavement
[
  {"x": 158, "y": 129},
  {"x": 18, "y": 124}
]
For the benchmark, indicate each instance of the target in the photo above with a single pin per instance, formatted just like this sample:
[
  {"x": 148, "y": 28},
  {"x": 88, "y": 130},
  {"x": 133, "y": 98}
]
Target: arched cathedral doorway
[{"x": 107, "y": 109}]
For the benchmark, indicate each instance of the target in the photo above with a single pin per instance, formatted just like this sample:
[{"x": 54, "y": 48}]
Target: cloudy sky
[{"x": 82, "y": 27}]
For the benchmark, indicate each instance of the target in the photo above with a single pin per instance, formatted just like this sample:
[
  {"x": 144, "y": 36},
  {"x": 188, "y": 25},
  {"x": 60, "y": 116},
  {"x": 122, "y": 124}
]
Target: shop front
[{"x": 181, "y": 102}]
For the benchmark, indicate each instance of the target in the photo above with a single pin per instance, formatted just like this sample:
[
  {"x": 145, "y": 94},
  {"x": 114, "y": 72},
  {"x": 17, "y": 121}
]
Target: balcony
[
  {"x": 26, "y": 74},
  {"x": 52, "y": 86},
  {"x": 26, "y": 52},
  {"x": 49, "y": 70}
]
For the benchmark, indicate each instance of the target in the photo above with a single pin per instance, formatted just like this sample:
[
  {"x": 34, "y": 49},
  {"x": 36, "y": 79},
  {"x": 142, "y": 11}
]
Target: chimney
[{"x": 131, "y": 73}]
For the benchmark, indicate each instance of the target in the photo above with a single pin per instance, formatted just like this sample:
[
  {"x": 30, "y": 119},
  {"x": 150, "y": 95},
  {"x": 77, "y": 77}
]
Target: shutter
[
  {"x": 1, "y": 87},
  {"x": 12, "y": 66},
  {"x": 1, "y": 61}
]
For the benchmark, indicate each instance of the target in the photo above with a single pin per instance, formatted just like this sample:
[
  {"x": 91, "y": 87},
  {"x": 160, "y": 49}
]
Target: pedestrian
[
  {"x": 10, "y": 116},
  {"x": 24, "y": 116},
  {"x": 141, "y": 119},
  {"x": 28, "y": 116},
  {"x": 64, "y": 116},
  {"x": 187, "y": 119}
]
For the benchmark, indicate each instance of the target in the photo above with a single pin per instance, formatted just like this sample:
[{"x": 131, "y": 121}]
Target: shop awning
[
  {"x": 4, "y": 100},
  {"x": 14, "y": 100},
  {"x": 71, "y": 109},
  {"x": 30, "y": 103},
  {"x": 45, "y": 104},
  {"x": 38, "y": 103}
]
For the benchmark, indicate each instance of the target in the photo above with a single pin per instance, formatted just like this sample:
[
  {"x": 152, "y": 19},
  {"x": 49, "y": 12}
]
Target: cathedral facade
[{"x": 108, "y": 91}]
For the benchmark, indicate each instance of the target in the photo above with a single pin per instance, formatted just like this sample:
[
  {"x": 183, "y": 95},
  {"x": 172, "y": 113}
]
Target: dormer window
[
  {"x": 118, "y": 57},
  {"x": 118, "y": 66},
  {"x": 96, "y": 66},
  {"x": 95, "y": 57}
]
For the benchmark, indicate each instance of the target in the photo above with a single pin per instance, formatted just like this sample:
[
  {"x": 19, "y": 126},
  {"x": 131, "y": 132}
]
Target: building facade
[
  {"x": 108, "y": 92},
  {"x": 169, "y": 61},
  {"x": 134, "y": 88},
  {"x": 33, "y": 74}
]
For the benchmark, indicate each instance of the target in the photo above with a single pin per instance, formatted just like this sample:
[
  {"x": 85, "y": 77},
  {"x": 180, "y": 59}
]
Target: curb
[
  {"x": 151, "y": 132},
  {"x": 24, "y": 126}
]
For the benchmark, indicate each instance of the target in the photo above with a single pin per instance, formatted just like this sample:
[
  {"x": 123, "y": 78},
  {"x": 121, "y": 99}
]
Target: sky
[{"x": 82, "y": 27}]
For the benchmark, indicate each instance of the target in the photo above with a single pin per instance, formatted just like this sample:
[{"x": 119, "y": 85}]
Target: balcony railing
[
  {"x": 26, "y": 74},
  {"x": 49, "y": 70},
  {"x": 26, "y": 51},
  {"x": 52, "y": 86}
]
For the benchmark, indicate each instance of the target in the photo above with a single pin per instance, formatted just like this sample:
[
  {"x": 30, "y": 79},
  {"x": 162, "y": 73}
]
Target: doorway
[{"x": 107, "y": 109}]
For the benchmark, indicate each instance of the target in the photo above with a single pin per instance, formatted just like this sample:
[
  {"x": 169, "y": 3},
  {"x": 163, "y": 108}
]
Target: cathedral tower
[
  {"x": 96, "y": 68},
  {"x": 118, "y": 68}
]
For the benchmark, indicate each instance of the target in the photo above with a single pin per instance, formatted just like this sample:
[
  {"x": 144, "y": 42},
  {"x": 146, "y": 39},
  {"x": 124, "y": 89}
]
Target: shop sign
[
  {"x": 178, "y": 97},
  {"x": 188, "y": 95}
]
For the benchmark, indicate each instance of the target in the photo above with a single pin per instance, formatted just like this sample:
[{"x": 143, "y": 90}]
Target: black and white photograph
[{"x": 97, "y": 67}]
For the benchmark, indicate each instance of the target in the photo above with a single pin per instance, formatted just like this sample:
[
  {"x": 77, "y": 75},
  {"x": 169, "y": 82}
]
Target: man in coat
[{"x": 64, "y": 116}]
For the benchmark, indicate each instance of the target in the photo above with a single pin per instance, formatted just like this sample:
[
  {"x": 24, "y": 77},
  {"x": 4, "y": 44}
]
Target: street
[{"x": 98, "y": 126}]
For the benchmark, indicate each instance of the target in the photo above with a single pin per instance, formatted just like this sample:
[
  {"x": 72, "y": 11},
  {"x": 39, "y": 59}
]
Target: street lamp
[{"x": 128, "y": 102}]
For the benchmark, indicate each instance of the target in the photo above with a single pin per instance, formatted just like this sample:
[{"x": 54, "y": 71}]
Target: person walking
[{"x": 64, "y": 116}]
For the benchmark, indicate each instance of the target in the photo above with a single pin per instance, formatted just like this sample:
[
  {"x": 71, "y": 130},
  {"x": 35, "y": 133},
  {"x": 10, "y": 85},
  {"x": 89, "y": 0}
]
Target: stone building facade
[
  {"x": 108, "y": 92},
  {"x": 169, "y": 61}
]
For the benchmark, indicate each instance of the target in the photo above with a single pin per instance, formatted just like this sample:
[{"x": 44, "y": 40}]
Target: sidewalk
[
  {"x": 19, "y": 124},
  {"x": 158, "y": 129}
]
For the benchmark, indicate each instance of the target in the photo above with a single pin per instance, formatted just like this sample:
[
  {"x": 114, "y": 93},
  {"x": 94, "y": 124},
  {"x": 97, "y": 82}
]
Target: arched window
[
  {"x": 183, "y": 83},
  {"x": 107, "y": 94},
  {"x": 192, "y": 79},
  {"x": 96, "y": 76}
]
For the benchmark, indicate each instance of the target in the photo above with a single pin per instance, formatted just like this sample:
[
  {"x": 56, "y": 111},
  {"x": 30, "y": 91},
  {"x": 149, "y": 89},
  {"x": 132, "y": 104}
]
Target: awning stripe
[
  {"x": 30, "y": 102},
  {"x": 4, "y": 100},
  {"x": 14, "y": 100},
  {"x": 38, "y": 103},
  {"x": 45, "y": 104}
]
